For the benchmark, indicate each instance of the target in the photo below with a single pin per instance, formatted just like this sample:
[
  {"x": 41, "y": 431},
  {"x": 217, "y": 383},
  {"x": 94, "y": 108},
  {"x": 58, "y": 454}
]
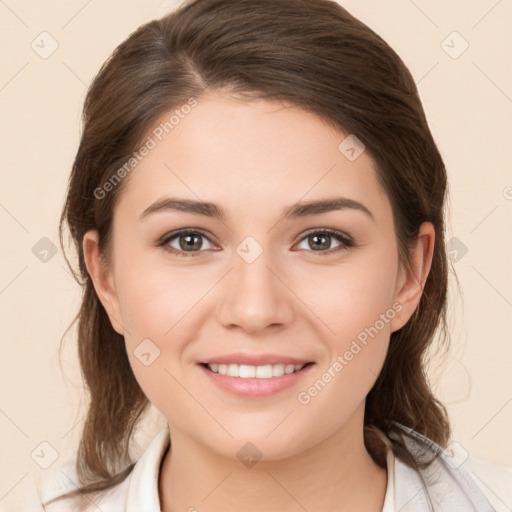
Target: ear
[
  {"x": 412, "y": 277},
  {"x": 102, "y": 279}
]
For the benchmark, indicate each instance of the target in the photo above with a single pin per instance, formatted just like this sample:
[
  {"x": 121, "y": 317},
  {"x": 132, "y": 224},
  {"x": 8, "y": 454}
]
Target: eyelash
[{"x": 346, "y": 241}]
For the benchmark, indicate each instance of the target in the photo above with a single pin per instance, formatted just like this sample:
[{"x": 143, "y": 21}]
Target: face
[{"x": 258, "y": 284}]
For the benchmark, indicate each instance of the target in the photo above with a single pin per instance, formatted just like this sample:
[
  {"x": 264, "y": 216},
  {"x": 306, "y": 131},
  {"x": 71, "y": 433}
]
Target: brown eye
[
  {"x": 186, "y": 242},
  {"x": 192, "y": 242},
  {"x": 321, "y": 241}
]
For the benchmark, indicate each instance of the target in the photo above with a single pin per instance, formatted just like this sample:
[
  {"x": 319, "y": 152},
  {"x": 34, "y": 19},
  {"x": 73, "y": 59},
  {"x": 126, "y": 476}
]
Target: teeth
[{"x": 246, "y": 371}]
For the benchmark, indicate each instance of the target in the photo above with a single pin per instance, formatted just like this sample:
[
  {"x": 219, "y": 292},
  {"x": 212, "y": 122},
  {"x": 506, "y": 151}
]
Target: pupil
[
  {"x": 196, "y": 244},
  {"x": 326, "y": 239}
]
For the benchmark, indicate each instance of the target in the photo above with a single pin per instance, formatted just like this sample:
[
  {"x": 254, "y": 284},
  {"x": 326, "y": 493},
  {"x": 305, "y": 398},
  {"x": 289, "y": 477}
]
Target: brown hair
[{"x": 308, "y": 53}]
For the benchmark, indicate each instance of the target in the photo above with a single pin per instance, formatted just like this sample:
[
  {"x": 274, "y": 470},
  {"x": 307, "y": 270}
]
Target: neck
[{"x": 336, "y": 475}]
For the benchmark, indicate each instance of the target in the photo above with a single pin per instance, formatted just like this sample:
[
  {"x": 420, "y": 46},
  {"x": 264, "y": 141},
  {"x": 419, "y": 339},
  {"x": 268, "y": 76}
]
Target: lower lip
[{"x": 255, "y": 387}]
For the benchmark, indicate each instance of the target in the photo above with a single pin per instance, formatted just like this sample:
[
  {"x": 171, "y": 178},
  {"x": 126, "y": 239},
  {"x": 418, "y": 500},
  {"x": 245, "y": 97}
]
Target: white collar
[
  {"x": 143, "y": 494},
  {"x": 443, "y": 486}
]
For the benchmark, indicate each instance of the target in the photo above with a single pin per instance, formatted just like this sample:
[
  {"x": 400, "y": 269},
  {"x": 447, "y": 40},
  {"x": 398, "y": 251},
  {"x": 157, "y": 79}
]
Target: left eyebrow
[
  {"x": 301, "y": 209},
  {"x": 325, "y": 205}
]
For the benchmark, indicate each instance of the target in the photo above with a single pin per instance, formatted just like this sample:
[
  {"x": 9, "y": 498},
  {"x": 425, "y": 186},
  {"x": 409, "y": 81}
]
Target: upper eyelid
[
  {"x": 330, "y": 231},
  {"x": 172, "y": 234}
]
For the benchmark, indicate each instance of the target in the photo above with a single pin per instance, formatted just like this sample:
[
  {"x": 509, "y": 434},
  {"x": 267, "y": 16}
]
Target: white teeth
[
  {"x": 246, "y": 371},
  {"x": 277, "y": 370},
  {"x": 264, "y": 372},
  {"x": 289, "y": 368},
  {"x": 233, "y": 370}
]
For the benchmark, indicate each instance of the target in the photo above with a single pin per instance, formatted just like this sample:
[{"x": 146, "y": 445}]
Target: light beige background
[{"x": 468, "y": 100}]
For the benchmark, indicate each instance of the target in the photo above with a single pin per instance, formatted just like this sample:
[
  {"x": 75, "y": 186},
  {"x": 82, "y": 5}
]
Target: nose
[{"x": 255, "y": 297}]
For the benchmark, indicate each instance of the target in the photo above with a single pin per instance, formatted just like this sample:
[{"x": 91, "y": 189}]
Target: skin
[{"x": 254, "y": 159}]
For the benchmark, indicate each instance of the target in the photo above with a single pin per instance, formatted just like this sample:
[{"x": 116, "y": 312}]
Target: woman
[{"x": 257, "y": 206}]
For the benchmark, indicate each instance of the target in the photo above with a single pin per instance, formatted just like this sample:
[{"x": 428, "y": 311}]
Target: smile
[
  {"x": 245, "y": 371},
  {"x": 255, "y": 381}
]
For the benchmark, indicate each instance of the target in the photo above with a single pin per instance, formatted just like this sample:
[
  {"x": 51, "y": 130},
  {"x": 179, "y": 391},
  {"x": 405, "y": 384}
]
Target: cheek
[
  {"x": 366, "y": 305},
  {"x": 155, "y": 300},
  {"x": 160, "y": 308},
  {"x": 357, "y": 305},
  {"x": 360, "y": 317},
  {"x": 351, "y": 298}
]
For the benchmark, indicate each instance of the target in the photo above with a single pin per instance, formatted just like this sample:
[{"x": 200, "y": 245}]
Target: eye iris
[
  {"x": 191, "y": 242},
  {"x": 316, "y": 237}
]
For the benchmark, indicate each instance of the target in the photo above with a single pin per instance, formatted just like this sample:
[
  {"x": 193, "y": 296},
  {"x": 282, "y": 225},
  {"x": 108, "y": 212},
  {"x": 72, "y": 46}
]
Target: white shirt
[{"x": 453, "y": 483}]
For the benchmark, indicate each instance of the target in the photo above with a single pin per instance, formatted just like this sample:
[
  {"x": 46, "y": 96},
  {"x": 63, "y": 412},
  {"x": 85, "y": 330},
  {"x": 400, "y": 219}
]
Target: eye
[
  {"x": 190, "y": 242},
  {"x": 321, "y": 240},
  {"x": 186, "y": 242}
]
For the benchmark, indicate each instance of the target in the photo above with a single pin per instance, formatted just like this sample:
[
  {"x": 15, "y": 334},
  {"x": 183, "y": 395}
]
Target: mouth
[
  {"x": 246, "y": 371},
  {"x": 255, "y": 380}
]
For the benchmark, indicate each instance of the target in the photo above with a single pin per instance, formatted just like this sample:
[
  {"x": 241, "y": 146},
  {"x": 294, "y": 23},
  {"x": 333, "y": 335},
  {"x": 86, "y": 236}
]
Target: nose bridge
[{"x": 253, "y": 297}]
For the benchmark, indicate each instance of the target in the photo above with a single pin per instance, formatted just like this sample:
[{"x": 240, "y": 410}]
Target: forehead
[{"x": 248, "y": 155}]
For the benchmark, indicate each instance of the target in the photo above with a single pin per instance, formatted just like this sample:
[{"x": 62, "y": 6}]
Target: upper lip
[{"x": 255, "y": 359}]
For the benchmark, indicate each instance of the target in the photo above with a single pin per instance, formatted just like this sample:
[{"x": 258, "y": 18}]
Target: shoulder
[
  {"x": 452, "y": 479},
  {"x": 54, "y": 488},
  {"x": 45, "y": 492},
  {"x": 494, "y": 480},
  {"x": 137, "y": 491}
]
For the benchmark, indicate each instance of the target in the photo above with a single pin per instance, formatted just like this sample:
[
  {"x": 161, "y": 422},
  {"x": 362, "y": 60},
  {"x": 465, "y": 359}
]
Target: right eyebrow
[{"x": 184, "y": 205}]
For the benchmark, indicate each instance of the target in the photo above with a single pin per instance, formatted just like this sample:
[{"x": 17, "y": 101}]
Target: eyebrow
[{"x": 297, "y": 210}]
